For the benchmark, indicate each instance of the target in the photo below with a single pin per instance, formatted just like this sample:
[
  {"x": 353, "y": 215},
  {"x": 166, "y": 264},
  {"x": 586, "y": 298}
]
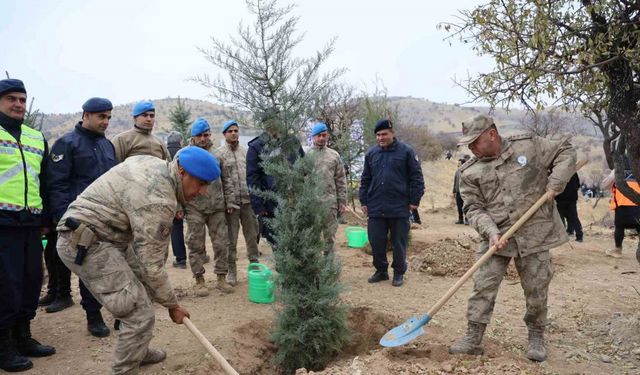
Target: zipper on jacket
[{"x": 26, "y": 181}]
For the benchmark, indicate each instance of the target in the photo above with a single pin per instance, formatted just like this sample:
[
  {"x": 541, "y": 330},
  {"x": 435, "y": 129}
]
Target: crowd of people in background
[{"x": 110, "y": 208}]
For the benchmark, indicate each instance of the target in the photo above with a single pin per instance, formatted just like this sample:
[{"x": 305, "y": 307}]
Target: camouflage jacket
[
  {"x": 135, "y": 203},
  {"x": 329, "y": 166},
  {"x": 498, "y": 191},
  {"x": 138, "y": 141},
  {"x": 220, "y": 193},
  {"x": 234, "y": 165}
]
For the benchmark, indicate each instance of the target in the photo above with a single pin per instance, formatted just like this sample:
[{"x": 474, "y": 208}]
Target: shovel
[
  {"x": 203, "y": 340},
  {"x": 412, "y": 328}
]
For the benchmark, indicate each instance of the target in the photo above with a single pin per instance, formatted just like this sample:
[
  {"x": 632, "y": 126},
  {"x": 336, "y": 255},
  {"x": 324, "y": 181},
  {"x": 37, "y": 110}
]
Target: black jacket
[
  {"x": 391, "y": 181},
  {"x": 77, "y": 159},
  {"x": 257, "y": 179},
  {"x": 570, "y": 192}
]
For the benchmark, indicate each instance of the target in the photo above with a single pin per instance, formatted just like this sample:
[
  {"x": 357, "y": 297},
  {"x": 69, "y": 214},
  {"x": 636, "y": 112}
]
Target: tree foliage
[
  {"x": 262, "y": 76},
  {"x": 33, "y": 118},
  {"x": 180, "y": 117},
  {"x": 580, "y": 55}
]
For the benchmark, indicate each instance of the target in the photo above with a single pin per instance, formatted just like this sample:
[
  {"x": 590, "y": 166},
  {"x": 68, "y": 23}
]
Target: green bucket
[
  {"x": 260, "y": 283},
  {"x": 356, "y": 237}
]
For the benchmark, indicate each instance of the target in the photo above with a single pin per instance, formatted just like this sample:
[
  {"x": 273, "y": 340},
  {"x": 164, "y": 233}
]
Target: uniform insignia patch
[
  {"x": 522, "y": 160},
  {"x": 56, "y": 158}
]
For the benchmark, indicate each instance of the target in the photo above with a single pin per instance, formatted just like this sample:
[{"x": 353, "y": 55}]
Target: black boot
[
  {"x": 398, "y": 279},
  {"x": 27, "y": 345},
  {"x": 59, "y": 304},
  {"x": 10, "y": 360},
  {"x": 47, "y": 299},
  {"x": 378, "y": 276},
  {"x": 96, "y": 325}
]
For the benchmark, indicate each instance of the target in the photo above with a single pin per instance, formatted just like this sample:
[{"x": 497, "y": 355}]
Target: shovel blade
[{"x": 405, "y": 332}]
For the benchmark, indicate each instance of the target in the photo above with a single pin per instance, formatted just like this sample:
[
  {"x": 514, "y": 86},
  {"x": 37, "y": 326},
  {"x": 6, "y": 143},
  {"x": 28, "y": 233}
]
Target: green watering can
[{"x": 260, "y": 283}]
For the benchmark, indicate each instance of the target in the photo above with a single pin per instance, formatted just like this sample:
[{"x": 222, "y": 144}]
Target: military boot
[
  {"x": 27, "y": 345},
  {"x": 47, "y": 299},
  {"x": 59, "y": 304},
  {"x": 201, "y": 287},
  {"x": 153, "y": 356},
  {"x": 221, "y": 284},
  {"x": 232, "y": 276},
  {"x": 470, "y": 342},
  {"x": 536, "y": 350},
  {"x": 96, "y": 326},
  {"x": 10, "y": 360}
]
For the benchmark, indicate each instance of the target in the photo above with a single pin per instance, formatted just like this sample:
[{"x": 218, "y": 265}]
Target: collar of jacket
[
  {"x": 232, "y": 146},
  {"x": 141, "y": 130},
  {"x": 174, "y": 174},
  {"x": 10, "y": 123},
  {"x": 88, "y": 132}
]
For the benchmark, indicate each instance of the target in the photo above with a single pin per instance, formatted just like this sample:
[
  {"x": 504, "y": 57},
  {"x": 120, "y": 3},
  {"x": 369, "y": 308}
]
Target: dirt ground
[{"x": 593, "y": 304}]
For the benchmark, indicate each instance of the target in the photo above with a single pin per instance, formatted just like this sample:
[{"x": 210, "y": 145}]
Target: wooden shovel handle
[
  {"x": 544, "y": 198},
  {"x": 203, "y": 340}
]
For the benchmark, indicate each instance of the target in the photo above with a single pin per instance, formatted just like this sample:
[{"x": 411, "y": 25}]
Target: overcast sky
[{"x": 127, "y": 50}]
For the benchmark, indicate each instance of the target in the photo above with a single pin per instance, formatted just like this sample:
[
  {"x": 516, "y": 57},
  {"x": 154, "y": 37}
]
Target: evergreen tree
[
  {"x": 33, "y": 118},
  {"x": 264, "y": 78},
  {"x": 180, "y": 117}
]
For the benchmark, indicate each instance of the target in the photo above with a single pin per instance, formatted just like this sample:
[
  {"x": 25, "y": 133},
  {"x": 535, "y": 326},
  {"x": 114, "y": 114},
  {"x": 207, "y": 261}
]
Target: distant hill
[{"x": 54, "y": 125}]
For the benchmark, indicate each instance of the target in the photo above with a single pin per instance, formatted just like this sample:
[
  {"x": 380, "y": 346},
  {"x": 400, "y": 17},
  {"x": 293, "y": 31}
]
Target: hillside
[{"x": 55, "y": 125}]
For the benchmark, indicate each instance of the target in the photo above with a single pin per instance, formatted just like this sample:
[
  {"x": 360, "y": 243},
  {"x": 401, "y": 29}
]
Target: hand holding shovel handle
[{"x": 203, "y": 340}]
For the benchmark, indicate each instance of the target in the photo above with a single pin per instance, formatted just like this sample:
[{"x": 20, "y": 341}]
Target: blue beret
[
  {"x": 142, "y": 107},
  {"x": 199, "y": 126},
  {"x": 228, "y": 124},
  {"x": 383, "y": 124},
  {"x": 11, "y": 85},
  {"x": 199, "y": 163},
  {"x": 97, "y": 105},
  {"x": 318, "y": 128}
]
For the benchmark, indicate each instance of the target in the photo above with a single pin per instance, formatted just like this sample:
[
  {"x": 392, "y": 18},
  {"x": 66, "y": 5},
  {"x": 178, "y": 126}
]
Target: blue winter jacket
[
  {"x": 391, "y": 181},
  {"x": 76, "y": 160}
]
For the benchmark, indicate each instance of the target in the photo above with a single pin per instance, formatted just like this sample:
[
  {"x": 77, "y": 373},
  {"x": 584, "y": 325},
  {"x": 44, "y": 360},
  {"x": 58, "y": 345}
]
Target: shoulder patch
[
  {"x": 516, "y": 137},
  {"x": 56, "y": 158},
  {"x": 468, "y": 163}
]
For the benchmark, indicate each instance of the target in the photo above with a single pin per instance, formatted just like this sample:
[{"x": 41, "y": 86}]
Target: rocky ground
[{"x": 593, "y": 303}]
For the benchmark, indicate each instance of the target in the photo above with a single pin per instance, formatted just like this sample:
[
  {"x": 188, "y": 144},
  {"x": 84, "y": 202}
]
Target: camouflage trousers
[
  {"x": 197, "y": 224},
  {"x": 247, "y": 218},
  {"x": 111, "y": 273},
  {"x": 535, "y": 270},
  {"x": 330, "y": 226}
]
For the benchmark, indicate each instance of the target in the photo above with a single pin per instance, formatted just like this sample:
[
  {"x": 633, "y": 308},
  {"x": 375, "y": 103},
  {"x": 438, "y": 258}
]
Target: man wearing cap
[
  {"x": 391, "y": 186},
  {"x": 504, "y": 179},
  {"x": 456, "y": 191},
  {"x": 329, "y": 166},
  {"x": 208, "y": 212},
  {"x": 133, "y": 203},
  {"x": 77, "y": 159},
  {"x": 139, "y": 140},
  {"x": 233, "y": 161},
  {"x": 23, "y": 169}
]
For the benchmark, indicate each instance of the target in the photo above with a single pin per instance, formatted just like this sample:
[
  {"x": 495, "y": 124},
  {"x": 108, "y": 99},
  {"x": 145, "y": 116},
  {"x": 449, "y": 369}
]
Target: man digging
[{"x": 504, "y": 179}]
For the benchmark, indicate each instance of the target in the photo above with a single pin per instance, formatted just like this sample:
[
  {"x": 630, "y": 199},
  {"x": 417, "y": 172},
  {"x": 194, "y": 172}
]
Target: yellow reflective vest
[{"x": 20, "y": 164}]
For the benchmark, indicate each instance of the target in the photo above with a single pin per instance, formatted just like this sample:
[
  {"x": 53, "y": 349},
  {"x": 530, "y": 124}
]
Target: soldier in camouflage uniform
[
  {"x": 208, "y": 211},
  {"x": 331, "y": 171},
  {"x": 133, "y": 203},
  {"x": 233, "y": 161},
  {"x": 498, "y": 186},
  {"x": 139, "y": 140}
]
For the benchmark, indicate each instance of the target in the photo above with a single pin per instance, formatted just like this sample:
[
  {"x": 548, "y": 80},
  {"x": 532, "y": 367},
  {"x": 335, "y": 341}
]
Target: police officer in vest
[{"x": 22, "y": 168}]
